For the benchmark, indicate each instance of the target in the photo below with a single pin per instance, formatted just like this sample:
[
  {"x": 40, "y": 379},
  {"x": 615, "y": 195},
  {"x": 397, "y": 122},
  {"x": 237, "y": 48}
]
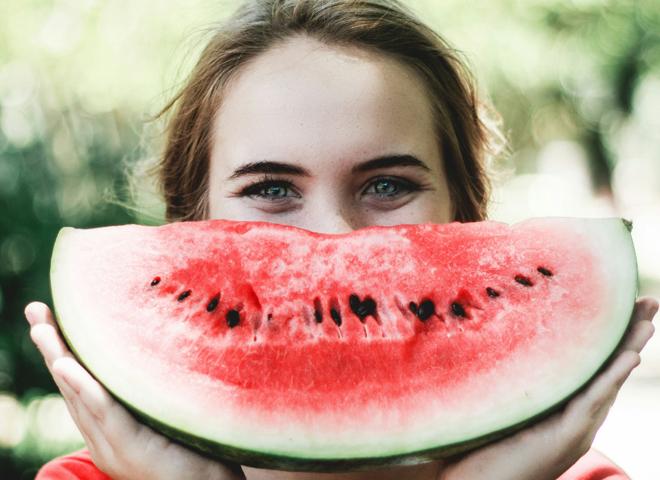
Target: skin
[
  {"x": 339, "y": 116},
  {"x": 330, "y": 139}
]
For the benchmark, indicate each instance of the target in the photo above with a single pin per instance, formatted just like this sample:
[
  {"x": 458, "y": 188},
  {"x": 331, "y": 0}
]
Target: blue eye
[
  {"x": 385, "y": 188},
  {"x": 275, "y": 191},
  {"x": 270, "y": 189}
]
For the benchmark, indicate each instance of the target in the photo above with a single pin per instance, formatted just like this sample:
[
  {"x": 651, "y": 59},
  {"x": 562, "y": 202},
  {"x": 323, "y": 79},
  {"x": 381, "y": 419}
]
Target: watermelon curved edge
[{"x": 261, "y": 459}]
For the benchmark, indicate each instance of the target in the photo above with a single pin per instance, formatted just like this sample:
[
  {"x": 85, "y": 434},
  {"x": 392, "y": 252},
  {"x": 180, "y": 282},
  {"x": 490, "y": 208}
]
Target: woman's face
[{"x": 329, "y": 139}]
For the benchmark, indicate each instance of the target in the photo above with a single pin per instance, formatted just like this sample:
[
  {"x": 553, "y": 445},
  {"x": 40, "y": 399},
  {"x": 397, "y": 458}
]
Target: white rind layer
[{"x": 616, "y": 252}]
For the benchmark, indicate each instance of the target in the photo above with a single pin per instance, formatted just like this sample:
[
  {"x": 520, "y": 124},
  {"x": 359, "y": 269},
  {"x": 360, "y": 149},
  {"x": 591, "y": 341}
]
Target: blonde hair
[{"x": 383, "y": 26}]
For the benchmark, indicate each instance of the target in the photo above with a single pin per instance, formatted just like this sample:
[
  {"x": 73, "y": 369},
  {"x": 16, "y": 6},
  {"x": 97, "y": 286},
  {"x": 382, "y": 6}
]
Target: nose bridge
[{"x": 334, "y": 218}]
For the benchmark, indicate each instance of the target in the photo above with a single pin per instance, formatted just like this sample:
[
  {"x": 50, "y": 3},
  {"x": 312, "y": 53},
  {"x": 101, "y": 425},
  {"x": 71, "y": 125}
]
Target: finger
[
  {"x": 111, "y": 417},
  {"x": 46, "y": 335},
  {"x": 72, "y": 405},
  {"x": 52, "y": 348},
  {"x": 118, "y": 440},
  {"x": 45, "y": 332},
  {"x": 76, "y": 384},
  {"x": 522, "y": 456},
  {"x": 645, "y": 309},
  {"x": 49, "y": 343},
  {"x": 94, "y": 397},
  {"x": 640, "y": 333},
  {"x": 39, "y": 313},
  {"x": 636, "y": 336},
  {"x": 86, "y": 421},
  {"x": 585, "y": 414}
]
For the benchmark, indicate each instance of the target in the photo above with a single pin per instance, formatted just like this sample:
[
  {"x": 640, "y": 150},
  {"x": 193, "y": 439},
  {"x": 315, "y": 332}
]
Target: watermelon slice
[{"x": 276, "y": 347}]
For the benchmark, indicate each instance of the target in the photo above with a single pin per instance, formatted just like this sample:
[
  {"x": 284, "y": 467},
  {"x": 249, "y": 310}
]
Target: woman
[{"x": 329, "y": 115}]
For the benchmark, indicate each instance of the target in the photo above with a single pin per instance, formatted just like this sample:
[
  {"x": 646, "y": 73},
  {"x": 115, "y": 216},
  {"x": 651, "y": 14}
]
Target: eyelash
[
  {"x": 254, "y": 190},
  {"x": 405, "y": 186}
]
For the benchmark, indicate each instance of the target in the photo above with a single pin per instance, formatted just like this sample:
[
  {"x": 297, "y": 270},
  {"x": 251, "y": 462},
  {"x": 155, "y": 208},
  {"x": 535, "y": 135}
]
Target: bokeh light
[{"x": 12, "y": 422}]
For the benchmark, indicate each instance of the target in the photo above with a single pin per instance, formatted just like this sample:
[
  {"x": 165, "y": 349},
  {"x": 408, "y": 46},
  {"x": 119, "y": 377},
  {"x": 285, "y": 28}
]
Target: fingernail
[
  {"x": 30, "y": 318},
  {"x": 654, "y": 310}
]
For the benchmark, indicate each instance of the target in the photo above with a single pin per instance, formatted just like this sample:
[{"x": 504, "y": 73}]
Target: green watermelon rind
[
  {"x": 303, "y": 462},
  {"x": 256, "y": 459}
]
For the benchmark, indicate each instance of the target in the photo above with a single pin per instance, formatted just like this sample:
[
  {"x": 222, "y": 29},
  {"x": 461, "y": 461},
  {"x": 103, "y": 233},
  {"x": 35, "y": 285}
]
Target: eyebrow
[
  {"x": 267, "y": 166},
  {"x": 385, "y": 161}
]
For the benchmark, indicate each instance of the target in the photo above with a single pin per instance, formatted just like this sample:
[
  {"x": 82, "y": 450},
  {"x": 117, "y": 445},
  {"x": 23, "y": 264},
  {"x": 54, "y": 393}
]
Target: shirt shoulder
[
  {"x": 594, "y": 466},
  {"x": 76, "y": 466}
]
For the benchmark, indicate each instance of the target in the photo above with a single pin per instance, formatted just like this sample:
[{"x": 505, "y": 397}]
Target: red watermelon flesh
[{"x": 278, "y": 347}]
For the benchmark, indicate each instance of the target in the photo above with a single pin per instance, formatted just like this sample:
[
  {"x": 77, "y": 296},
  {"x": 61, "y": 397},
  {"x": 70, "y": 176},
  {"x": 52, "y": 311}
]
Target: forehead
[{"x": 304, "y": 101}]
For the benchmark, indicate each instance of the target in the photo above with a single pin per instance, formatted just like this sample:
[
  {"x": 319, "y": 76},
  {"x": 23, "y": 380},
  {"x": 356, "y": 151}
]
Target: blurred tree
[
  {"x": 609, "y": 48},
  {"x": 38, "y": 196}
]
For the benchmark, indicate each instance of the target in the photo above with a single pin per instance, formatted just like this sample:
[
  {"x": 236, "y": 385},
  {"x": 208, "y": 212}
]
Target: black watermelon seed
[
  {"x": 544, "y": 271},
  {"x": 492, "y": 293},
  {"x": 524, "y": 281},
  {"x": 425, "y": 310},
  {"x": 334, "y": 314},
  {"x": 233, "y": 318},
  {"x": 318, "y": 316},
  {"x": 368, "y": 307},
  {"x": 184, "y": 295},
  {"x": 362, "y": 309},
  {"x": 354, "y": 303},
  {"x": 458, "y": 309},
  {"x": 413, "y": 308},
  {"x": 212, "y": 304},
  {"x": 155, "y": 281}
]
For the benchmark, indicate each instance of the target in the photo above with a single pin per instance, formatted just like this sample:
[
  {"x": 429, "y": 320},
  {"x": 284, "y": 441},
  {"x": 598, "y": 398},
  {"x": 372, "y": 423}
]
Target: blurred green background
[{"x": 577, "y": 84}]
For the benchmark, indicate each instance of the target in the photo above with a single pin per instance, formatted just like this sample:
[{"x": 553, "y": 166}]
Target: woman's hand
[
  {"x": 125, "y": 449},
  {"x": 119, "y": 445},
  {"x": 547, "y": 449}
]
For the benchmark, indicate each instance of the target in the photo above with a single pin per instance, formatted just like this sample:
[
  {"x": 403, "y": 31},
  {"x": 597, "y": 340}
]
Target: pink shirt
[{"x": 79, "y": 466}]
